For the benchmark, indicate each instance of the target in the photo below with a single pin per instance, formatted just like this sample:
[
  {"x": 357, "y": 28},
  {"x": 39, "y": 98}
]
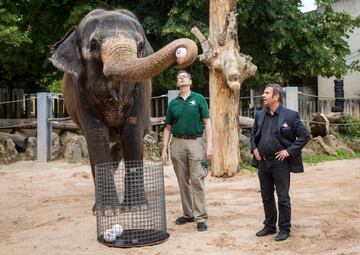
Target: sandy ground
[{"x": 46, "y": 209}]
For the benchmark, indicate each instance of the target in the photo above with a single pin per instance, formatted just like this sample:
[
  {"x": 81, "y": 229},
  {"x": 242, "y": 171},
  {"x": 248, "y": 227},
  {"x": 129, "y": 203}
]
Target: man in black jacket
[{"x": 277, "y": 137}]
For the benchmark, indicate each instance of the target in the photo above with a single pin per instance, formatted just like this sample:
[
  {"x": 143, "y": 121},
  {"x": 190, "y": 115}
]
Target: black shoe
[
  {"x": 183, "y": 220},
  {"x": 266, "y": 231},
  {"x": 201, "y": 226},
  {"x": 283, "y": 235}
]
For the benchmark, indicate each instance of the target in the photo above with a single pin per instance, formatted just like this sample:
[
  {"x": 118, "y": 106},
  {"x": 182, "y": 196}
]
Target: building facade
[{"x": 352, "y": 79}]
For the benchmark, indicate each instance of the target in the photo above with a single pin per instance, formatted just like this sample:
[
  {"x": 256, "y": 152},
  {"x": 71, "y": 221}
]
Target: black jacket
[{"x": 291, "y": 133}]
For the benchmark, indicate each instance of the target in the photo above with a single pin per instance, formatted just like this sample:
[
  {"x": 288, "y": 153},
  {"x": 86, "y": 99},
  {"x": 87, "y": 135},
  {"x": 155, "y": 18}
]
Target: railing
[
  {"x": 307, "y": 104},
  {"x": 16, "y": 104},
  {"x": 49, "y": 108}
]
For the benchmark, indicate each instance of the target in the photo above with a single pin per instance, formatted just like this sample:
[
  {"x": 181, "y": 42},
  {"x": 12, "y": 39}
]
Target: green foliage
[
  {"x": 350, "y": 127},
  {"x": 341, "y": 154},
  {"x": 286, "y": 43},
  {"x": 283, "y": 42},
  {"x": 10, "y": 34},
  {"x": 12, "y": 38},
  {"x": 51, "y": 82},
  {"x": 249, "y": 167}
]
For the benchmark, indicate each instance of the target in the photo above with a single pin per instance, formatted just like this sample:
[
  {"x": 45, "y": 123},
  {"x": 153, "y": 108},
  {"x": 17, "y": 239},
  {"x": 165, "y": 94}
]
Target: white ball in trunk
[{"x": 181, "y": 52}]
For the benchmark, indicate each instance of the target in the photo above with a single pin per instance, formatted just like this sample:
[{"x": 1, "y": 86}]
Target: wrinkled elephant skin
[{"x": 108, "y": 64}]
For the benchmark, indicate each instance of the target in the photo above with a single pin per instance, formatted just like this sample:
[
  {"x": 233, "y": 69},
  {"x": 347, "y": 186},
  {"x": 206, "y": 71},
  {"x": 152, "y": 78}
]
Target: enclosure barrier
[
  {"x": 30, "y": 106},
  {"x": 130, "y": 203}
]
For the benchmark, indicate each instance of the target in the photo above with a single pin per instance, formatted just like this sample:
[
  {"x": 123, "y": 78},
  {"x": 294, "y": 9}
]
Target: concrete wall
[{"x": 351, "y": 80}]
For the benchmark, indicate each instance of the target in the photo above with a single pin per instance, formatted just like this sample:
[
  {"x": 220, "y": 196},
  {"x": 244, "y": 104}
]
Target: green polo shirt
[{"x": 185, "y": 116}]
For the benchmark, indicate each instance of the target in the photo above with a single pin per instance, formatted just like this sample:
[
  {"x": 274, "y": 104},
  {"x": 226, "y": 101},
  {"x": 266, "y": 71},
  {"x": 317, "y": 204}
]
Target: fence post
[
  {"x": 291, "y": 98},
  {"x": 44, "y": 112},
  {"x": 251, "y": 105},
  {"x": 172, "y": 94}
]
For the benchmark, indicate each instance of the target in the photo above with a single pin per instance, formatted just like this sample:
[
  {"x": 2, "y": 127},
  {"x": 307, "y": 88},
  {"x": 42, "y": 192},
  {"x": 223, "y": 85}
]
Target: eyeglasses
[{"x": 182, "y": 77}]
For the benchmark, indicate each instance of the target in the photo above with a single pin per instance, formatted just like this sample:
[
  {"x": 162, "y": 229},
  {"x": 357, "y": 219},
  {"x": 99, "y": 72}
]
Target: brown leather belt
[{"x": 188, "y": 136}]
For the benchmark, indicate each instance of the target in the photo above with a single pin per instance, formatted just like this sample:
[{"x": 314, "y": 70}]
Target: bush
[{"x": 351, "y": 127}]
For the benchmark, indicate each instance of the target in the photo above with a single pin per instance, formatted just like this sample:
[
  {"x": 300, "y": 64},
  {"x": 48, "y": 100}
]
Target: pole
[
  {"x": 44, "y": 112},
  {"x": 291, "y": 98}
]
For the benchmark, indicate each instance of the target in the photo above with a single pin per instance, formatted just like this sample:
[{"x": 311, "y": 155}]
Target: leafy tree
[
  {"x": 11, "y": 39},
  {"x": 286, "y": 44},
  {"x": 283, "y": 42}
]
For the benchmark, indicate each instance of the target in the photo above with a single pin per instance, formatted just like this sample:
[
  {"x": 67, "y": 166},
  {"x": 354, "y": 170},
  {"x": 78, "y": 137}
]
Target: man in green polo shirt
[{"x": 186, "y": 118}]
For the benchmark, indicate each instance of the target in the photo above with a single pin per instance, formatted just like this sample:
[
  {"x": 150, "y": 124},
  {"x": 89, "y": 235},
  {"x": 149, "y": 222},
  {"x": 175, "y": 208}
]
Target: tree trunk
[
  {"x": 228, "y": 69},
  {"x": 224, "y": 121}
]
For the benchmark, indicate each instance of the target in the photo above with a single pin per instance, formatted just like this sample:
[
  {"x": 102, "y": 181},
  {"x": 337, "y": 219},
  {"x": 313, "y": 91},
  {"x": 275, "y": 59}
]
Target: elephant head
[{"x": 114, "y": 41}]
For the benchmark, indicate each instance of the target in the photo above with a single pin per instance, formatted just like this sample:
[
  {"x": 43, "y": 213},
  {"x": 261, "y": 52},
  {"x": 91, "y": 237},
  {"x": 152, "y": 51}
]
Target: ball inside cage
[{"x": 130, "y": 203}]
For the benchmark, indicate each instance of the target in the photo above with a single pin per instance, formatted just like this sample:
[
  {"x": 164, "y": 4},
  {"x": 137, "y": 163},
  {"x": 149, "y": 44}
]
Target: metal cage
[{"x": 130, "y": 203}]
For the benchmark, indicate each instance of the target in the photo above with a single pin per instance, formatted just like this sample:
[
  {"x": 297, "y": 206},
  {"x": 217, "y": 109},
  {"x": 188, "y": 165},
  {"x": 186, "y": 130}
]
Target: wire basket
[{"x": 130, "y": 203}]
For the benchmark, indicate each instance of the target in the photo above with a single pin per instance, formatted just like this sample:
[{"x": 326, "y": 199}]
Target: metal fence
[
  {"x": 307, "y": 104},
  {"x": 15, "y": 104}
]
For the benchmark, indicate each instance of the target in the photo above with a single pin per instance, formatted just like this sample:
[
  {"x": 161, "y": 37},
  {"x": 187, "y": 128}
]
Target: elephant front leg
[
  {"x": 133, "y": 147},
  {"x": 101, "y": 158}
]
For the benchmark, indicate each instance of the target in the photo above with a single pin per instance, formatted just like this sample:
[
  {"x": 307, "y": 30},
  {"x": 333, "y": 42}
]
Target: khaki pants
[{"x": 186, "y": 155}]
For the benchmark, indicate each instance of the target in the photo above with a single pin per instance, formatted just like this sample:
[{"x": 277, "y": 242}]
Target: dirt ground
[{"x": 46, "y": 209}]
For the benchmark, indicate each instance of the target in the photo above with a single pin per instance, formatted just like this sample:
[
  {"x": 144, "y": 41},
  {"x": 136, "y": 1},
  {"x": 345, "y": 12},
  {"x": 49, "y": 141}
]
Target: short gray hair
[
  {"x": 185, "y": 72},
  {"x": 277, "y": 90}
]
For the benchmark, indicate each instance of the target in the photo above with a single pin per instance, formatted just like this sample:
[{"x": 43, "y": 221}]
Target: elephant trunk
[{"x": 121, "y": 62}]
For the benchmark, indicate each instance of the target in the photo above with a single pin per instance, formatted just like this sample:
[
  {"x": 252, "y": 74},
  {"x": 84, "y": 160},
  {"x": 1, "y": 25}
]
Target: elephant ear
[{"x": 65, "y": 54}]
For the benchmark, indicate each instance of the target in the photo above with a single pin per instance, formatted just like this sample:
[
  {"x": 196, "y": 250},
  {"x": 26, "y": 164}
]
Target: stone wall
[{"x": 69, "y": 146}]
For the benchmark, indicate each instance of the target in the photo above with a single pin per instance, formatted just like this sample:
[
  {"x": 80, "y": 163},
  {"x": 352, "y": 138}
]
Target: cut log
[
  {"x": 319, "y": 125},
  {"x": 32, "y": 124},
  {"x": 155, "y": 121},
  {"x": 21, "y": 142},
  {"x": 68, "y": 125},
  {"x": 334, "y": 117},
  {"x": 27, "y": 132},
  {"x": 17, "y": 123}
]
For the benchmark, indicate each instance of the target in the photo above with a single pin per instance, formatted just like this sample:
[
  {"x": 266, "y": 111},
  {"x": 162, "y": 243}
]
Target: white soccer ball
[
  {"x": 117, "y": 229},
  {"x": 109, "y": 235},
  {"x": 180, "y": 52}
]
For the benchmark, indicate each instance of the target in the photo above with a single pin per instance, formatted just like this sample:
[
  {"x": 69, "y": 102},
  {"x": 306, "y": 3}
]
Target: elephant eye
[{"x": 94, "y": 45}]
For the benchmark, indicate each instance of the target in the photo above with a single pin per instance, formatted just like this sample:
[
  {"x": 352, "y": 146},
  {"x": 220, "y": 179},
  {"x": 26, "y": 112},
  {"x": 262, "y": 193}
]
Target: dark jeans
[{"x": 275, "y": 174}]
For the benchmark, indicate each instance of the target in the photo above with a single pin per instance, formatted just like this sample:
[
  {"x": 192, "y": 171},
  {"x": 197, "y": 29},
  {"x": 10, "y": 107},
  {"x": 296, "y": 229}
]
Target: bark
[
  {"x": 228, "y": 69},
  {"x": 319, "y": 125}
]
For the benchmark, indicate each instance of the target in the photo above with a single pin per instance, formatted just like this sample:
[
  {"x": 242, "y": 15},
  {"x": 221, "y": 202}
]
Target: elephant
[{"x": 108, "y": 64}]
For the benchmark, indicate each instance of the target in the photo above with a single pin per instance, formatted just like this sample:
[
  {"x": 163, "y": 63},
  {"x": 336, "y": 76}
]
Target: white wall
[{"x": 351, "y": 80}]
